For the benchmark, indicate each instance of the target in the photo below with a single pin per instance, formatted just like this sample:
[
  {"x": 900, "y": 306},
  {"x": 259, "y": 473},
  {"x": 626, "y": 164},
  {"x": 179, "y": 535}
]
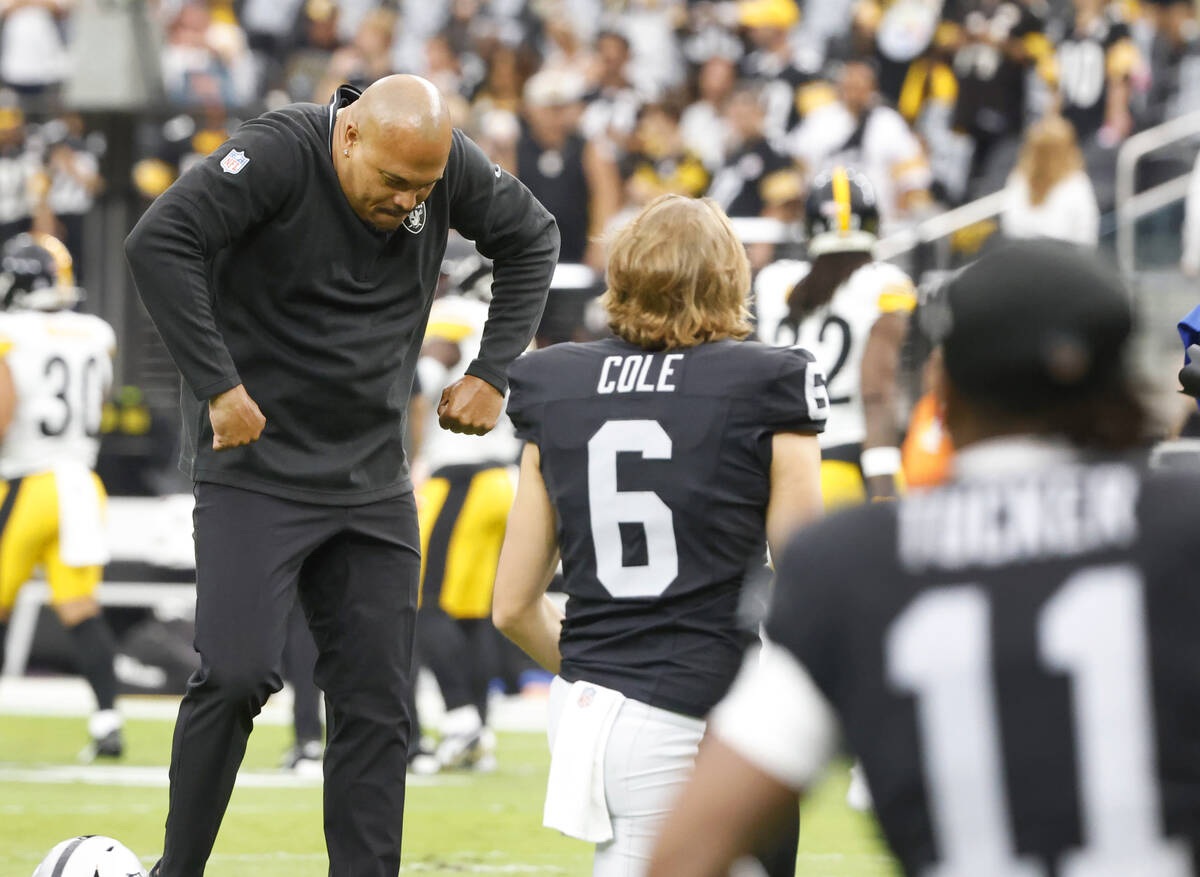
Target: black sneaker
[
  {"x": 305, "y": 757},
  {"x": 111, "y": 745}
]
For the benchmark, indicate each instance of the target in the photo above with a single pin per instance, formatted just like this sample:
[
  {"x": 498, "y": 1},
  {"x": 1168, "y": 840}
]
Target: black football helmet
[
  {"x": 36, "y": 273},
  {"x": 841, "y": 215}
]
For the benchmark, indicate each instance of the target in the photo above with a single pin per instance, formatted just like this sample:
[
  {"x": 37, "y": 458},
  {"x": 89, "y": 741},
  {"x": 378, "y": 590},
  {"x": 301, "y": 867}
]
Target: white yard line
[
  {"x": 156, "y": 777},
  {"x": 70, "y": 696},
  {"x": 409, "y": 868}
]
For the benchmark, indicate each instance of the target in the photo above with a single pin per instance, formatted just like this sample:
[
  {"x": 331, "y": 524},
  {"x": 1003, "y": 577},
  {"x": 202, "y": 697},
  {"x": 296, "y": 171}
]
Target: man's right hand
[{"x": 235, "y": 419}]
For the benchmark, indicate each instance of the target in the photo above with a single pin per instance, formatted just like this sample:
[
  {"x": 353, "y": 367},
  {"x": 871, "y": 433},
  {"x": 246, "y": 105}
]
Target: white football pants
[{"x": 648, "y": 759}]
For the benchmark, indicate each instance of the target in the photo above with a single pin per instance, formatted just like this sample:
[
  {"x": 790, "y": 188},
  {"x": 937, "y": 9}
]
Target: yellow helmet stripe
[
  {"x": 63, "y": 263},
  {"x": 841, "y": 197}
]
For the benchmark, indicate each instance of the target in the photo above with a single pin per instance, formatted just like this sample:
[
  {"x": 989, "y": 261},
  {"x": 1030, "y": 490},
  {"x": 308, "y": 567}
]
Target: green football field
[{"x": 454, "y": 824}]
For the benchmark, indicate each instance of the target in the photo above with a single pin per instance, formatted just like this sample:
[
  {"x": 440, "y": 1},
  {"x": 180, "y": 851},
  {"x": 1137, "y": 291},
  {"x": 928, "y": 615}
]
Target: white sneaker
[
  {"x": 858, "y": 795},
  {"x": 305, "y": 759}
]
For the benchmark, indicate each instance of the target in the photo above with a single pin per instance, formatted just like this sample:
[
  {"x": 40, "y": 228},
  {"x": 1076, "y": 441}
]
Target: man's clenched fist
[
  {"x": 235, "y": 419},
  {"x": 470, "y": 405}
]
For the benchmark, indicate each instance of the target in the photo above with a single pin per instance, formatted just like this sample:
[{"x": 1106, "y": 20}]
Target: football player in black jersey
[
  {"x": 1013, "y": 655},
  {"x": 656, "y": 463}
]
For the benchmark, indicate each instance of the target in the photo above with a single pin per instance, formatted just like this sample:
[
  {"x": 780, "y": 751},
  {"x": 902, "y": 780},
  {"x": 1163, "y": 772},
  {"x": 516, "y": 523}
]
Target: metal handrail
[{"x": 1130, "y": 207}]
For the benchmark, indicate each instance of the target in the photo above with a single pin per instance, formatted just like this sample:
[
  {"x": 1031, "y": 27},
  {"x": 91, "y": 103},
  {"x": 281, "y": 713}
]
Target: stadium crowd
[
  {"x": 600, "y": 106},
  {"x": 840, "y": 121}
]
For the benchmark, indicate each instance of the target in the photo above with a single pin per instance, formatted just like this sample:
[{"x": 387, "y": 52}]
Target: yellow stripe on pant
[
  {"x": 29, "y": 537},
  {"x": 463, "y": 512},
  {"x": 842, "y": 482}
]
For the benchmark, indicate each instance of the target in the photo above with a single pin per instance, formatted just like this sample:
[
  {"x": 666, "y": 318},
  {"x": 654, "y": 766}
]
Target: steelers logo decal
[{"x": 415, "y": 221}]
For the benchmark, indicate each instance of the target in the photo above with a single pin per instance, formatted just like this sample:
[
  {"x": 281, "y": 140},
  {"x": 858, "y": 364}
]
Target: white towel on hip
[
  {"x": 82, "y": 540},
  {"x": 575, "y": 802}
]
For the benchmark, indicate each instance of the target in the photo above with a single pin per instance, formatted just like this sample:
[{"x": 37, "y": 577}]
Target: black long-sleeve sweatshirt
[{"x": 256, "y": 270}]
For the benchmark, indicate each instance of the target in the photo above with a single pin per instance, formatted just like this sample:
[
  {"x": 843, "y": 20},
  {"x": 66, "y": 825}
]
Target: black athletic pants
[
  {"x": 356, "y": 571},
  {"x": 299, "y": 665}
]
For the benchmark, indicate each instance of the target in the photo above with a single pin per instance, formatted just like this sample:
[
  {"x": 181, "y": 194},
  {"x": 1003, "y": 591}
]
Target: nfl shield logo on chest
[
  {"x": 234, "y": 161},
  {"x": 415, "y": 221}
]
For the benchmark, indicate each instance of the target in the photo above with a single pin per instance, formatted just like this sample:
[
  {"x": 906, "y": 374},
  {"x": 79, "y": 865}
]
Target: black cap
[{"x": 1034, "y": 323}]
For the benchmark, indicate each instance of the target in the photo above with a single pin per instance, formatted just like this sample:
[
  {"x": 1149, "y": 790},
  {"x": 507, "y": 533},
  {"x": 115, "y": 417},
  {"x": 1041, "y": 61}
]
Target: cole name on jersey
[{"x": 638, "y": 373}]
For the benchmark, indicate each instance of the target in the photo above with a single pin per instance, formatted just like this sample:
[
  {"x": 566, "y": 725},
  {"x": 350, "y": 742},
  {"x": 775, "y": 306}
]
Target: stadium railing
[{"x": 1131, "y": 205}]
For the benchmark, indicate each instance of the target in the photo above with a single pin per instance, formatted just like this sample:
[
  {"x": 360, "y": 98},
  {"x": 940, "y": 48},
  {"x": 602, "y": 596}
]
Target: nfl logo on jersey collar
[
  {"x": 415, "y": 221},
  {"x": 234, "y": 162}
]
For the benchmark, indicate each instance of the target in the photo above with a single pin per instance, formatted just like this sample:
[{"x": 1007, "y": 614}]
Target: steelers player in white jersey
[
  {"x": 463, "y": 506},
  {"x": 55, "y": 372},
  {"x": 852, "y": 313}
]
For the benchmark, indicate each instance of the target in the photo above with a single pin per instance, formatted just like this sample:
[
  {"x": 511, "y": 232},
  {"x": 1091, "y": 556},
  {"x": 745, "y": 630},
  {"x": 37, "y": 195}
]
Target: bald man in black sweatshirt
[{"x": 290, "y": 275}]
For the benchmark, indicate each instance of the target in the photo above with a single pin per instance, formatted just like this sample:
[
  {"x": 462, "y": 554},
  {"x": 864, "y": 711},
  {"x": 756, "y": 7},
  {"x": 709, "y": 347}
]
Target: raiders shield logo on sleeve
[{"x": 415, "y": 221}]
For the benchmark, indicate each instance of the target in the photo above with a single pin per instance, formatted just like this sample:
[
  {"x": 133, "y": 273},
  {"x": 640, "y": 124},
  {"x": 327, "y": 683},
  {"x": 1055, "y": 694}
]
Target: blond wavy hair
[
  {"x": 677, "y": 276},
  {"x": 1049, "y": 155}
]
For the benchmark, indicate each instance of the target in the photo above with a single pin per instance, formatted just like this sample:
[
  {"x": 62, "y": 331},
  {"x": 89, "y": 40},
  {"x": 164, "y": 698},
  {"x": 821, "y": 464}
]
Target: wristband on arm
[{"x": 880, "y": 461}]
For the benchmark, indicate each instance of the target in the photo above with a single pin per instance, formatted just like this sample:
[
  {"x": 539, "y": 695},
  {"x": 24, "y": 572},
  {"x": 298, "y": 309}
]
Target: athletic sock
[
  {"x": 95, "y": 652},
  {"x": 461, "y": 722}
]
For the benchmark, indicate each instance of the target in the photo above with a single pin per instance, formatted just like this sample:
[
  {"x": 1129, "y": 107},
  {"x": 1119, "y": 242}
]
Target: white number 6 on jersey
[{"x": 610, "y": 507}]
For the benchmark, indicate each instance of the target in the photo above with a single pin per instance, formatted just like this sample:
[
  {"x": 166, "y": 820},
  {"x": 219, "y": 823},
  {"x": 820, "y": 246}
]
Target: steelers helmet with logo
[
  {"x": 841, "y": 215},
  {"x": 36, "y": 273}
]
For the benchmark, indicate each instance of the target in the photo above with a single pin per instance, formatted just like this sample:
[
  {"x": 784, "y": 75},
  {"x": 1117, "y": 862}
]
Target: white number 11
[{"x": 1092, "y": 629}]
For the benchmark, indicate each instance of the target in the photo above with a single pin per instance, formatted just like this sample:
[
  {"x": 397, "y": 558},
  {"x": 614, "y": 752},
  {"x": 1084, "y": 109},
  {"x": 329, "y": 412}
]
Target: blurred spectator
[
  {"x": 366, "y": 59},
  {"x": 996, "y": 42},
  {"x": 21, "y": 175},
  {"x": 565, "y": 50},
  {"x": 903, "y": 37},
  {"x": 270, "y": 24},
  {"x": 352, "y": 14},
  {"x": 574, "y": 178},
  {"x": 442, "y": 66},
  {"x": 74, "y": 183},
  {"x": 612, "y": 101},
  {"x": 1095, "y": 62},
  {"x": 859, "y": 131},
  {"x": 305, "y": 68},
  {"x": 507, "y": 70},
  {"x": 711, "y": 32},
  {"x": 1049, "y": 194},
  {"x": 790, "y": 91},
  {"x": 33, "y": 51},
  {"x": 739, "y": 185},
  {"x": 194, "y": 74},
  {"x": 703, "y": 125},
  {"x": 656, "y": 65},
  {"x": 659, "y": 163},
  {"x": 913, "y": 50},
  {"x": 1190, "y": 262},
  {"x": 497, "y": 133},
  {"x": 825, "y": 22},
  {"x": 1174, "y": 61}
]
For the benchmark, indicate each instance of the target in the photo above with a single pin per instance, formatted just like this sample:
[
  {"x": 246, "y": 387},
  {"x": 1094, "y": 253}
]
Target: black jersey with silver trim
[{"x": 658, "y": 466}]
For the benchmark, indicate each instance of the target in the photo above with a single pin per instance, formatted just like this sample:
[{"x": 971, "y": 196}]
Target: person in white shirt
[
  {"x": 1049, "y": 194},
  {"x": 859, "y": 131},
  {"x": 55, "y": 372}
]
